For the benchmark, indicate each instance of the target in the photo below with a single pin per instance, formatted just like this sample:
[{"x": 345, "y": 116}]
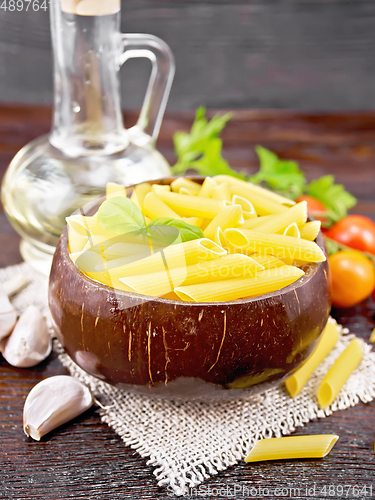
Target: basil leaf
[
  {"x": 120, "y": 215},
  {"x": 187, "y": 231},
  {"x": 163, "y": 236}
]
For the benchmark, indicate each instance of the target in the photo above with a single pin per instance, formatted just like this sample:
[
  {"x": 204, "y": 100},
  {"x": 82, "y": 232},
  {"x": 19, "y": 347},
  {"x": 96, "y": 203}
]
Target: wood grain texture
[
  {"x": 84, "y": 458},
  {"x": 310, "y": 54}
]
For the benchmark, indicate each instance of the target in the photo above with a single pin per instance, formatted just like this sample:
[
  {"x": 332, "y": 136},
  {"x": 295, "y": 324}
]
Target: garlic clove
[
  {"x": 53, "y": 402},
  {"x": 30, "y": 342},
  {"x": 8, "y": 316},
  {"x": 14, "y": 285}
]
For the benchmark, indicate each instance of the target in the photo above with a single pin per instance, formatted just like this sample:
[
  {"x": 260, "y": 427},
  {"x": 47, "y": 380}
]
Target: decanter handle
[{"x": 163, "y": 68}]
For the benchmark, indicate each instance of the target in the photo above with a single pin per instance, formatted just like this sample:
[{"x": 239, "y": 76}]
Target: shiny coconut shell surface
[{"x": 186, "y": 350}]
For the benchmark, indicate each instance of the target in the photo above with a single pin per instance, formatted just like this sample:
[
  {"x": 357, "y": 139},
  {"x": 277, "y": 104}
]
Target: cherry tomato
[
  {"x": 352, "y": 278},
  {"x": 354, "y": 231},
  {"x": 315, "y": 208}
]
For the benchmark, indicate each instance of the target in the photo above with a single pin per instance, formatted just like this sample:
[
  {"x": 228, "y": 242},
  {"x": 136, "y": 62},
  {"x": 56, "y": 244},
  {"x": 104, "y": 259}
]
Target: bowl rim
[{"x": 313, "y": 268}]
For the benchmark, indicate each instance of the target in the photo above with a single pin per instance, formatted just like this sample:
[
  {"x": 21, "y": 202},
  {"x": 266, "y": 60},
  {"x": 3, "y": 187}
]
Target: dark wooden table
[{"x": 85, "y": 459}]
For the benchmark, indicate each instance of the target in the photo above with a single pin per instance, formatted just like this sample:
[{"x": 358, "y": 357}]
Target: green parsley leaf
[
  {"x": 200, "y": 149},
  {"x": 120, "y": 215},
  {"x": 185, "y": 231},
  {"x": 333, "y": 196},
  {"x": 283, "y": 176}
]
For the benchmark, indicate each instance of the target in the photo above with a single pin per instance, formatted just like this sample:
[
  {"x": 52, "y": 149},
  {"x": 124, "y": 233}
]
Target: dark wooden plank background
[
  {"x": 84, "y": 458},
  {"x": 301, "y": 54}
]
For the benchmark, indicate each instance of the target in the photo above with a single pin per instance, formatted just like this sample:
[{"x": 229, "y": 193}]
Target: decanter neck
[{"x": 87, "y": 111}]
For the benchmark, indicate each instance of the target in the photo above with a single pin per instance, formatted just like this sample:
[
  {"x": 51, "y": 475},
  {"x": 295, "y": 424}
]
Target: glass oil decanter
[{"x": 88, "y": 145}]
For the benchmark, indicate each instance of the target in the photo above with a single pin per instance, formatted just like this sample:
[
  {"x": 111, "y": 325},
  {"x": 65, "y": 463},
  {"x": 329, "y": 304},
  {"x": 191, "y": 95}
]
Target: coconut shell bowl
[{"x": 186, "y": 350}]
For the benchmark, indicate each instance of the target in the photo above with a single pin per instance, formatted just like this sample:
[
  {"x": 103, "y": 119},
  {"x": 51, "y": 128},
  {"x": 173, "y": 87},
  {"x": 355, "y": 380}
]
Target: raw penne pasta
[
  {"x": 310, "y": 230},
  {"x": 253, "y": 189},
  {"x": 187, "y": 192},
  {"x": 278, "y": 245},
  {"x": 194, "y": 221},
  {"x": 263, "y": 282},
  {"x": 77, "y": 241},
  {"x": 262, "y": 205},
  {"x": 179, "y": 255},
  {"x": 160, "y": 187},
  {"x": 192, "y": 206},
  {"x": 220, "y": 192},
  {"x": 339, "y": 373},
  {"x": 267, "y": 261},
  {"x": 227, "y": 217},
  {"x": 219, "y": 238},
  {"x": 113, "y": 189},
  {"x": 296, "y": 214},
  {"x": 87, "y": 262},
  {"x": 247, "y": 207},
  {"x": 123, "y": 249},
  {"x": 292, "y": 230},
  {"x": 139, "y": 193},
  {"x": 88, "y": 225},
  {"x": 206, "y": 188},
  {"x": 295, "y": 383},
  {"x": 292, "y": 447},
  {"x": 256, "y": 221},
  {"x": 182, "y": 182},
  {"x": 239, "y": 220},
  {"x": 154, "y": 207},
  {"x": 163, "y": 282}
]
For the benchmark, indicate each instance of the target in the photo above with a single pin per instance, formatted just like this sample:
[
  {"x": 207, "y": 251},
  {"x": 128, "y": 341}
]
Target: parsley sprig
[{"x": 201, "y": 151}]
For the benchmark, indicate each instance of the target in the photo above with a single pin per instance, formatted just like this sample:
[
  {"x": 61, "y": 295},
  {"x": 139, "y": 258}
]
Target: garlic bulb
[
  {"x": 53, "y": 402},
  {"x": 8, "y": 316},
  {"x": 30, "y": 342}
]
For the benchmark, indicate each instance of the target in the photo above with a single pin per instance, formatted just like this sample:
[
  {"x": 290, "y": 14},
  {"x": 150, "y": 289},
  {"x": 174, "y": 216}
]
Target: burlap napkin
[{"x": 187, "y": 442}]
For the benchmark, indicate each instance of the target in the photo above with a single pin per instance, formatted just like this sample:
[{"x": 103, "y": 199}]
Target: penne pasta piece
[
  {"x": 154, "y": 207},
  {"x": 262, "y": 205},
  {"x": 88, "y": 224},
  {"x": 292, "y": 230},
  {"x": 227, "y": 217},
  {"x": 220, "y": 240},
  {"x": 263, "y": 282},
  {"x": 278, "y": 223},
  {"x": 256, "y": 221},
  {"x": 187, "y": 192},
  {"x": 292, "y": 447},
  {"x": 87, "y": 262},
  {"x": 267, "y": 261},
  {"x": 113, "y": 189},
  {"x": 295, "y": 383},
  {"x": 206, "y": 188},
  {"x": 220, "y": 192},
  {"x": 193, "y": 221},
  {"x": 123, "y": 249},
  {"x": 139, "y": 193},
  {"x": 171, "y": 296},
  {"x": 77, "y": 240},
  {"x": 278, "y": 245},
  {"x": 372, "y": 336},
  {"x": 192, "y": 206},
  {"x": 160, "y": 187},
  {"x": 339, "y": 373},
  {"x": 179, "y": 255},
  {"x": 182, "y": 182},
  {"x": 163, "y": 282},
  {"x": 310, "y": 230},
  {"x": 254, "y": 189},
  {"x": 247, "y": 207}
]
